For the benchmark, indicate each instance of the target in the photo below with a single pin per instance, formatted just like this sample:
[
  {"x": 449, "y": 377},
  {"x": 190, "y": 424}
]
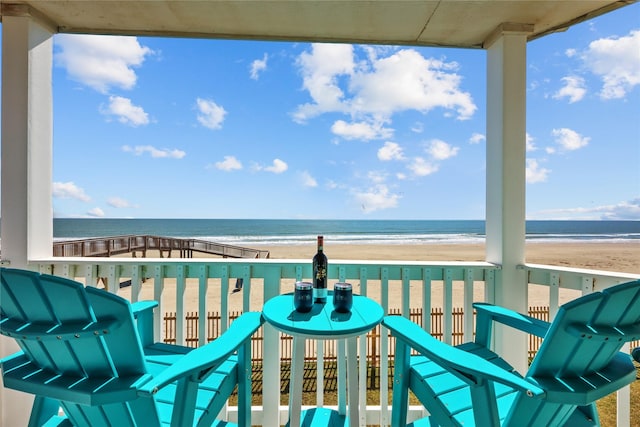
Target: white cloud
[
  {"x": 69, "y": 190},
  {"x": 569, "y": 139},
  {"x": 477, "y": 138},
  {"x": 211, "y": 115},
  {"x": 278, "y": 166},
  {"x": 308, "y": 180},
  {"x": 535, "y": 173},
  {"x": 361, "y": 130},
  {"x": 625, "y": 210},
  {"x": 531, "y": 146},
  {"x": 390, "y": 151},
  {"x": 257, "y": 66},
  {"x": 408, "y": 81},
  {"x": 570, "y": 53},
  {"x": 440, "y": 150},
  {"x": 573, "y": 89},
  {"x": 95, "y": 212},
  {"x": 376, "y": 198},
  {"x": 126, "y": 112},
  {"x": 421, "y": 167},
  {"x": 617, "y": 62},
  {"x": 119, "y": 203},
  {"x": 379, "y": 86},
  {"x": 229, "y": 163},
  {"x": 320, "y": 71},
  {"x": 156, "y": 153},
  {"x": 101, "y": 62}
]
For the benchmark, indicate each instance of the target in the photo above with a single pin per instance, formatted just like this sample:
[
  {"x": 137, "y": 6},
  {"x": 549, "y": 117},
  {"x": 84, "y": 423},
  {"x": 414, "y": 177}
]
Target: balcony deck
[{"x": 182, "y": 284}]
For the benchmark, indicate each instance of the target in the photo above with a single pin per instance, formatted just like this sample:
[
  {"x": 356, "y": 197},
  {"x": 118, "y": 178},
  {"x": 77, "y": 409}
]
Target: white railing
[{"x": 207, "y": 285}]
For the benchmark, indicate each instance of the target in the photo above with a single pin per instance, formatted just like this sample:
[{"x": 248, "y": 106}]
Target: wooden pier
[{"x": 138, "y": 245}]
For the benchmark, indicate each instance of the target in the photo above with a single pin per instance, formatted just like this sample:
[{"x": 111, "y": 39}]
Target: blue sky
[{"x": 178, "y": 128}]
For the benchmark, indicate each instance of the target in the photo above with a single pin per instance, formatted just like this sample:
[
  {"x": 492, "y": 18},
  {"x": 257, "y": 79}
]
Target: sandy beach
[
  {"x": 618, "y": 257},
  {"x": 613, "y": 257}
]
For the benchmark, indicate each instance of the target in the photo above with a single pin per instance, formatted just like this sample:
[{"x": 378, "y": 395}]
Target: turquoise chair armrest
[
  {"x": 486, "y": 314},
  {"x": 467, "y": 366},
  {"x": 143, "y": 314},
  {"x": 141, "y": 307},
  {"x": 199, "y": 362}
]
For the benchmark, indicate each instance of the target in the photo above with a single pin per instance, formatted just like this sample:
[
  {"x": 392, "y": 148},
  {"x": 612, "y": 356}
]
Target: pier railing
[
  {"x": 138, "y": 245},
  {"x": 182, "y": 285}
]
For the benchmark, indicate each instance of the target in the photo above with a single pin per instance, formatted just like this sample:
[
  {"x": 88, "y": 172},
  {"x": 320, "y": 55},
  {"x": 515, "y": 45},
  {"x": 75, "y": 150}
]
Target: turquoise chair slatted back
[
  {"x": 68, "y": 330},
  {"x": 579, "y": 360},
  {"x": 81, "y": 349},
  {"x": 27, "y": 308},
  {"x": 121, "y": 345},
  {"x": 589, "y": 332}
]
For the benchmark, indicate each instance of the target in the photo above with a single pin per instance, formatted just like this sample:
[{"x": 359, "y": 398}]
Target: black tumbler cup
[
  {"x": 342, "y": 297},
  {"x": 303, "y": 297}
]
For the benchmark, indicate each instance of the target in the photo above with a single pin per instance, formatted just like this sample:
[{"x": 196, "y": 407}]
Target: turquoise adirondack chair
[
  {"x": 92, "y": 354},
  {"x": 578, "y": 363}
]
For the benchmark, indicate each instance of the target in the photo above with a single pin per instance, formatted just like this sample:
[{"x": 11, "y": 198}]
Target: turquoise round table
[{"x": 323, "y": 323}]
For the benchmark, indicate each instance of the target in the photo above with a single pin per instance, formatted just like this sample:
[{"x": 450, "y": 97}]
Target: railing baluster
[
  {"x": 136, "y": 283},
  {"x": 113, "y": 279},
  {"x": 180, "y": 295},
  {"x": 158, "y": 286},
  {"x": 203, "y": 283},
  {"x": 363, "y": 359},
  {"x": 271, "y": 353},
  {"x": 89, "y": 275},
  {"x": 406, "y": 291},
  {"x": 468, "y": 305},
  {"x": 447, "y": 283},
  {"x": 384, "y": 349},
  {"x": 246, "y": 293},
  {"x": 224, "y": 297},
  {"x": 426, "y": 299},
  {"x": 554, "y": 295},
  {"x": 623, "y": 400}
]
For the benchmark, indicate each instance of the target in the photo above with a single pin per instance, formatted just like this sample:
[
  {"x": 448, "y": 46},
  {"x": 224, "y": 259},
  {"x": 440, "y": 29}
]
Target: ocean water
[{"x": 247, "y": 232}]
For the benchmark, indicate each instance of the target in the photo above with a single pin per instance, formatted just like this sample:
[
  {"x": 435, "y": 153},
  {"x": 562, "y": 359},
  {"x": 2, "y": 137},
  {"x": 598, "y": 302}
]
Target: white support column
[
  {"x": 506, "y": 149},
  {"x": 27, "y": 138},
  {"x": 26, "y": 207}
]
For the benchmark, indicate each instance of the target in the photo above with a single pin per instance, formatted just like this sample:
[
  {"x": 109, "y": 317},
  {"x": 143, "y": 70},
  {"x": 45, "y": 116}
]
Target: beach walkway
[{"x": 138, "y": 245}]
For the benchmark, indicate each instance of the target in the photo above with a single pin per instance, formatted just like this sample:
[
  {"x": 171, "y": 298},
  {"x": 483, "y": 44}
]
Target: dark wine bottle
[{"x": 320, "y": 274}]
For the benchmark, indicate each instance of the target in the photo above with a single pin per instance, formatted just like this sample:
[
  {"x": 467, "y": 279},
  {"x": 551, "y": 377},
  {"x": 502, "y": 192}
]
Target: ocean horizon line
[{"x": 245, "y": 232}]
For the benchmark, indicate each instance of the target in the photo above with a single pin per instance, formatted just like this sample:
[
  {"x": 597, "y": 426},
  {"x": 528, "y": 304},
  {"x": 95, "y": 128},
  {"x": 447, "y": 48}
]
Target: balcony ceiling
[{"x": 453, "y": 23}]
